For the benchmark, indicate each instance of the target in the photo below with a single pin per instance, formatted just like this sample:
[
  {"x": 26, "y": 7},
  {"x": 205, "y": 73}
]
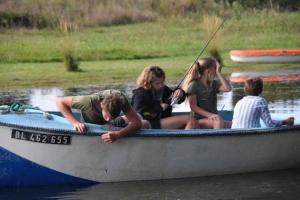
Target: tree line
[{"x": 90, "y": 13}]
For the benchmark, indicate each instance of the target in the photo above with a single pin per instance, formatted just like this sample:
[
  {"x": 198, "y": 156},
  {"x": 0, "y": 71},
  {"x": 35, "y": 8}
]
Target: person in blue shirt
[{"x": 250, "y": 109}]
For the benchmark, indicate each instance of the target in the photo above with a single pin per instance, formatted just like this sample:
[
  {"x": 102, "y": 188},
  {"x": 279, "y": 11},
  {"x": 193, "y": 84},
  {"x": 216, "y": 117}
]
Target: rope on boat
[{"x": 19, "y": 108}]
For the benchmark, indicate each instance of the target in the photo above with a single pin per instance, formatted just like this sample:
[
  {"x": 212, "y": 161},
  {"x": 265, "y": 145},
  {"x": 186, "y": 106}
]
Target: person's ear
[{"x": 102, "y": 105}]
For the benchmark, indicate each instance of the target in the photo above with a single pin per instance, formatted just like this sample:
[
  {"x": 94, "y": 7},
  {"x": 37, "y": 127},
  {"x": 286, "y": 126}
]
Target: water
[
  {"x": 284, "y": 98},
  {"x": 276, "y": 185}
]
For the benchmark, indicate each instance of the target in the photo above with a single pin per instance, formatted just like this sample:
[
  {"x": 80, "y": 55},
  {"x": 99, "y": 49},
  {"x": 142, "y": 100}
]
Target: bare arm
[
  {"x": 64, "y": 105},
  {"x": 225, "y": 85},
  {"x": 134, "y": 124}
]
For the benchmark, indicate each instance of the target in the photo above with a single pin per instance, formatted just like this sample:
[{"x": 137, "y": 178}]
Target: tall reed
[
  {"x": 71, "y": 63},
  {"x": 210, "y": 24}
]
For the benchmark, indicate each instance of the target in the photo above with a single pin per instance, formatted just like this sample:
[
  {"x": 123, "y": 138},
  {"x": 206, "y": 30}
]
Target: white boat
[
  {"x": 38, "y": 148},
  {"x": 266, "y": 56}
]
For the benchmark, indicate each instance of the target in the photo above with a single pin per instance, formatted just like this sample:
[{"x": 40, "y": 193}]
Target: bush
[
  {"x": 47, "y": 14},
  {"x": 71, "y": 63}
]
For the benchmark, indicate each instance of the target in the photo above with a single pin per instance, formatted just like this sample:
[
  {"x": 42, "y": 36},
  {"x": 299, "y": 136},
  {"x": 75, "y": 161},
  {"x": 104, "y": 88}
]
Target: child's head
[
  {"x": 207, "y": 67},
  {"x": 152, "y": 77},
  {"x": 203, "y": 67},
  {"x": 205, "y": 64},
  {"x": 253, "y": 86},
  {"x": 111, "y": 106}
]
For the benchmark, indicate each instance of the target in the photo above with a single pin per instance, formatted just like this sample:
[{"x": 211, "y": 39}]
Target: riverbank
[
  {"x": 36, "y": 75},
  {"x": 31, "y": 58},
  {"x": 165, "y": 38}
]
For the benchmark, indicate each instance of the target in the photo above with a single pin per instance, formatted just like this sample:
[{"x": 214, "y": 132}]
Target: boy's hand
[
  {"x": 110, "y": 137},
  {"x": 289, "y": 121},
  {"x": 80, "y": 127}
]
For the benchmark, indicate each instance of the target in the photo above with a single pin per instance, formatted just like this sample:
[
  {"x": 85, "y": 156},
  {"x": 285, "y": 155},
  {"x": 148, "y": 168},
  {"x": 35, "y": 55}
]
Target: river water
[
  {"x": 282, "y": 96},
  {"x": 284, "y": 99},
  {"x": 276, "y": 185}
]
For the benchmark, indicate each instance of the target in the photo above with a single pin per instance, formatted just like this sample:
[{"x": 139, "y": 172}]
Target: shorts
[
  {"x": 155, "y": 123},
  {"x": 118, "y": 122}
]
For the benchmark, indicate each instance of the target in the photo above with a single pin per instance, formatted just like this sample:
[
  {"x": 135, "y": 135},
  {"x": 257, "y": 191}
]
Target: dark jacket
[{"x": 145, "y": 104}]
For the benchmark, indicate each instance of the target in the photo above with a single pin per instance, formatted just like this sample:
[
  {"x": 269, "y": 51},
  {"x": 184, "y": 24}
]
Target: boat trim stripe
[{"x": 170, "y": 132}]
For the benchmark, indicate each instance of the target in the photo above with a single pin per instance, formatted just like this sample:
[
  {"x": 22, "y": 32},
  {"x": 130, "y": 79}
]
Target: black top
[{"x": 147, "y": 104}]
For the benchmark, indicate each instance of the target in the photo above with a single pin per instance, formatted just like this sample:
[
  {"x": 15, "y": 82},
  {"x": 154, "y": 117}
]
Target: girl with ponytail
[{"x": 202, "y": 88}]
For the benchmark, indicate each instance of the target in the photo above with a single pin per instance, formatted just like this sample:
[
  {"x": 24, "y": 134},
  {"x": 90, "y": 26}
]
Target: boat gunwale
[{"x": 169, "y": 132}]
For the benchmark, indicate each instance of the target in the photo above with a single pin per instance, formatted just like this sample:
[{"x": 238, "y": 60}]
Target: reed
[
  {"x": 210, "y": 24},
  {"x": 71, "y": 63}
]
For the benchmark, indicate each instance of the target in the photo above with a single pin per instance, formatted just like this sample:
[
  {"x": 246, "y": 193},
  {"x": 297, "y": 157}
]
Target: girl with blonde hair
[
  {"x": 152, "y": 100},
  {"x": 202, "y": 88}
]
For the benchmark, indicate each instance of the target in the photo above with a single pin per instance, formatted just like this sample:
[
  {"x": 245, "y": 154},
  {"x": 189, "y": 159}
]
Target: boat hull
[
  {"x": 150, "y": 158},
  {"x": 265, "y": 56},
  {"x": 150, "y": 155}
]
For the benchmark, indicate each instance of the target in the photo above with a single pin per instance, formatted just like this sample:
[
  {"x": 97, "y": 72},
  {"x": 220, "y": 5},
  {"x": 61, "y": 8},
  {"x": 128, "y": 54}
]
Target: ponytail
[{"x": 197, "y": 70}]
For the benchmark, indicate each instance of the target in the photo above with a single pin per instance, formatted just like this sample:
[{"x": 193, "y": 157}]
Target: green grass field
[{"x": 115, "y": 54}]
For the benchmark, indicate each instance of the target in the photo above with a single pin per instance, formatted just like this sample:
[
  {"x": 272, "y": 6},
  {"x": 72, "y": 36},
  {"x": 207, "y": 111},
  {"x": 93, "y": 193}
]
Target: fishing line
[{"x": 176, "y": 99}]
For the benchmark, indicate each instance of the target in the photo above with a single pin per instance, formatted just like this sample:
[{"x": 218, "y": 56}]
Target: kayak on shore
[{"x": 266, "y": 56}]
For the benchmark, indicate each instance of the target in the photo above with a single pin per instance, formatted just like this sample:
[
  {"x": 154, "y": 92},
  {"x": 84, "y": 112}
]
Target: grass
[
  {"x": 147, "y": 40},
  {"x": 116, "y": 54},
  {"x": 33, "y": 75},
  {"x": 165, "y": 38}
]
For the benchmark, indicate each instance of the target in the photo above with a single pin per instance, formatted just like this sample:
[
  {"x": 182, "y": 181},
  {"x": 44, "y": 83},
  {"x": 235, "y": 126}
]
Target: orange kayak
[{"x": 266, "y": 56}]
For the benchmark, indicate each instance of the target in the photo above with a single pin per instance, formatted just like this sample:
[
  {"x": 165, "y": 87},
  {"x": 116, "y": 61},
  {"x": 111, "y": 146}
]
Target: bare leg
[
  {"x": 179, "y": 122},
  {"x": 145, "y": 123},
  {"x": 192, "y": 123},
  {"x": 205, "y": 123},
  {"x": 216, "y": 122},
  {"x": 227, "y": 124}
]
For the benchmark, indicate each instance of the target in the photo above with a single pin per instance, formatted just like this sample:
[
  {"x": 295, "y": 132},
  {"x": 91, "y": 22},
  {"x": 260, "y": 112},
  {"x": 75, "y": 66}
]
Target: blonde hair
[
  {"x": 148, "y": 74},
  {"x": 197, "y": 70}
]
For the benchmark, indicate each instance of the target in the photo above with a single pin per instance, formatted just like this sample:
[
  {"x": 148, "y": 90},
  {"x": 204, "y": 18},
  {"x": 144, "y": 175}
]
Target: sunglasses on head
[{"x": 157, "y": 71}]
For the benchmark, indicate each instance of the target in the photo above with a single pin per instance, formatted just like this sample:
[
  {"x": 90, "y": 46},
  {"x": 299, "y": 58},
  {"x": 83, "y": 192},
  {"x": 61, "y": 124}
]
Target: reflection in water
[
  {"x": 38, "y": 193},
  {"x": 276, "y": 185},
  {"x": 283, "y": 97},
  {"x": 270, "y": 185},
  {"x": 45, "y": 99}
]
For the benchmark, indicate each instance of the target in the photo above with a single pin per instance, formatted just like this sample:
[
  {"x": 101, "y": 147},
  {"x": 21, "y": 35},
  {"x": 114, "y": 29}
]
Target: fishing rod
[{"x": 176, "y": 99}]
